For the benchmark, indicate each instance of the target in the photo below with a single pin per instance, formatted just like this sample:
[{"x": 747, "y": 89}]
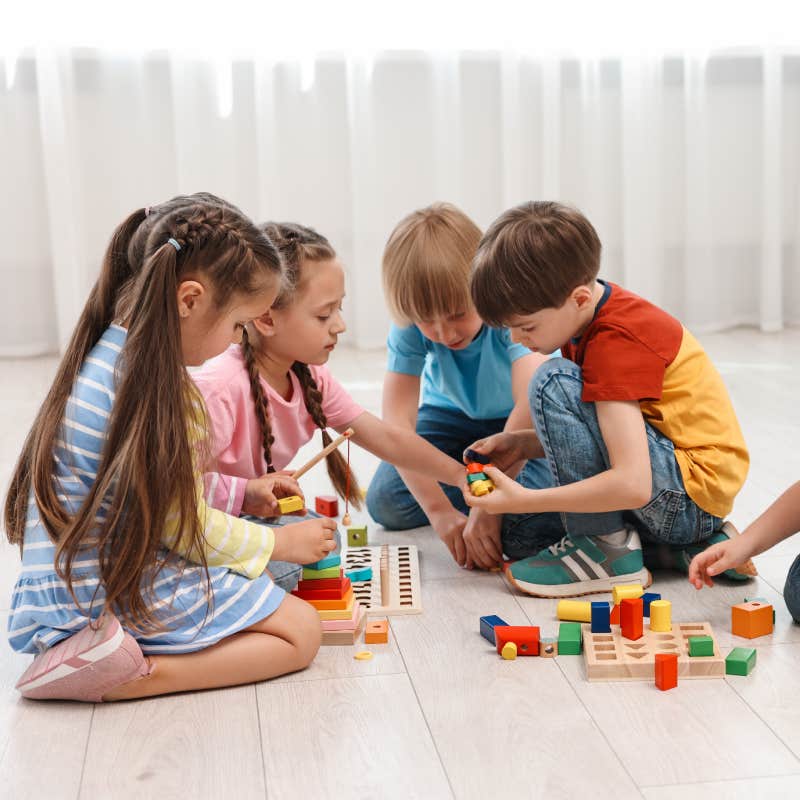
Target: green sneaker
[
  {"x": 580, "y": 565},
  {"x": 682, "y": 557}
]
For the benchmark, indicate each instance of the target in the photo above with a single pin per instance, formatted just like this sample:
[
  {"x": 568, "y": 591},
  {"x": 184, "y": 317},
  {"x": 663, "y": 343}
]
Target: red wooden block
[
  {"x": 525, "y": 637},
  {"x": 474, "y": 467},
  {"x": 614, "y": 618},
  {"x": 631, "y": 614},
  {"x": 334, "y": 593},
  {"x": 327, "y": 505},
  {"x": 666, "y": 671},
  {"x": 324, "y": 583}
]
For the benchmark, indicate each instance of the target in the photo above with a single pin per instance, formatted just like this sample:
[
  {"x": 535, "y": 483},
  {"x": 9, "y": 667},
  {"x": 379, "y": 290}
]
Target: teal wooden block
[
  {"x": 476, "y": 476},
  {"x": 328, "y": 561},
  {"x": 359, "y": 575}
]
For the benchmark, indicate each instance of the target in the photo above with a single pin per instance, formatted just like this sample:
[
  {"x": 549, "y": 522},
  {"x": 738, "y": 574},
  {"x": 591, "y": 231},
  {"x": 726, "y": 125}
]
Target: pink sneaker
[{"x": 85, "y": 666}]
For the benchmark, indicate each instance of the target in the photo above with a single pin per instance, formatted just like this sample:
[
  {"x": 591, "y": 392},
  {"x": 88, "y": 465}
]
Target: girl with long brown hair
[
  {"x": 266, "y": 397},
  {"x": 131, "y": 584}
]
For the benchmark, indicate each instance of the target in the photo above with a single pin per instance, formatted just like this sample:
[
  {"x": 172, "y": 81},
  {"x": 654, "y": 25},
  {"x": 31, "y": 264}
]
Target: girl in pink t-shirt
[{"x": 266, "y": 398}]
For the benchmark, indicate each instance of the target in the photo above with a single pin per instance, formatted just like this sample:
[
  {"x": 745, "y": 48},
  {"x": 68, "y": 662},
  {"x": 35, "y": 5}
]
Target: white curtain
[{"x": 688, "y": 164}]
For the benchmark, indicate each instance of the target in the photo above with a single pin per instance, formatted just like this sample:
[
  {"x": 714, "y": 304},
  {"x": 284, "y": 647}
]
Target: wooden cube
[
  {"x": 327, "y": 505},
  {"x": 548, "y": 647},
  {"x": 289, "y": 504},
  {"x": 525, "y": 637},
  {"x": 752, "y": 619},
  {"x": 666, "y": 671},
  {"x": 377, "y": 631},
  {"x": 357, "y": 536}
]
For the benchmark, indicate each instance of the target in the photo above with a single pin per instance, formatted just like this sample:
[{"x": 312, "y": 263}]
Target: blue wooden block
[
  {"x": 478, "y": 458},
  {"x": 648, "y": 598},
  {"x": 601, "y": 618},
  {"x": 359, "y": 575},
  {"x": 328, "y": 561},
  {"x": 488, "y": 625}
]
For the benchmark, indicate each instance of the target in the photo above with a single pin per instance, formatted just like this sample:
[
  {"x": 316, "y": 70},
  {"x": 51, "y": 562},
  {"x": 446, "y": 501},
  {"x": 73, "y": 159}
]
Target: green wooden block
[
  {"x": 314, "y": 574},
  {"x": 740, "y": 661},
  {"x": 701, "y": 646},
  {"x": 569, "y": 639},
  {"x": 357, "y": 536},
  {"x": 476, "y": 476}
]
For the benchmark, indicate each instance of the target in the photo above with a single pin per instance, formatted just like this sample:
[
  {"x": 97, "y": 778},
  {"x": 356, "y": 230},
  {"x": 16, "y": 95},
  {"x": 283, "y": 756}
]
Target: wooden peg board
[
  {"x": 395, "y": 587},
  {"x": 609, "y": 657}
]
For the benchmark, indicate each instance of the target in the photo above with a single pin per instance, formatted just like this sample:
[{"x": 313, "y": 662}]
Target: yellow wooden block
[
  {"x": 574, "y": 610},
  {"x": 509, "y": 651},
  {"x": 344, "y": 613},
  {"x": 625, "y": 590},
  {"x": 480, "y": 488},
  {"x": 661, "y": 616},
  {"x": 290, "y": 504}
]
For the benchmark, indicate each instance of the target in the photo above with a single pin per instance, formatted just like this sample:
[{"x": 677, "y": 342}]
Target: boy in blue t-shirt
[{"x": 474, "y": 383}]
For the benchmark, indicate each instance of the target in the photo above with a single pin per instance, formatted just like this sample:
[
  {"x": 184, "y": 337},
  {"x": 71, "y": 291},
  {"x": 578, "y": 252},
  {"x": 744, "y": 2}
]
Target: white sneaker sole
[{"x": 579, "y": 588}]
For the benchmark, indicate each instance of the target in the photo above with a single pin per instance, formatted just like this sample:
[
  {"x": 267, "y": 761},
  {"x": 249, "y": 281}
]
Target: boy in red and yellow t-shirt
[{"x": 634, "y": 420}]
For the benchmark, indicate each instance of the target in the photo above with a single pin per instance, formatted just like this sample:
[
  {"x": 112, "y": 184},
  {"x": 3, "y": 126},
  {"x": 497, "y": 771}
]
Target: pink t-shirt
[{"x": 237, "y": 441}]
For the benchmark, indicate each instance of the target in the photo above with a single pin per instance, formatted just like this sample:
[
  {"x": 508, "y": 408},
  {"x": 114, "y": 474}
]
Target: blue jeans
[
  {"x": 570, "y": 434},
  {"x": 791, "y": 591},
  {"x": 392, "y": 505}
]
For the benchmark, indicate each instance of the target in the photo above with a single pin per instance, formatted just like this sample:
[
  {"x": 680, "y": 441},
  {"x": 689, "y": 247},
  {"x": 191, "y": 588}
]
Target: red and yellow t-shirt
[{"x": 632, "y": 350}]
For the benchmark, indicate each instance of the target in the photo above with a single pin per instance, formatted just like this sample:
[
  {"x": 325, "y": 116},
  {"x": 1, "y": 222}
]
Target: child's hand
[
  {"x": 502, "y": 449},
  {"x": 716, "y": 559},
  {"x": 482, "y": 539},
  {"x": 449, "y": 526},
  {"x": 261, "y": 495},
  {"x": 508, "y": 496},
  {"x": 304, "y": 542}
]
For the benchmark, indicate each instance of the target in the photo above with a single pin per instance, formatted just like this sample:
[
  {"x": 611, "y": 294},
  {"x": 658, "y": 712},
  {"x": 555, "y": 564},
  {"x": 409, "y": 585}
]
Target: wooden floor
[{"x": 436, "y": 713}]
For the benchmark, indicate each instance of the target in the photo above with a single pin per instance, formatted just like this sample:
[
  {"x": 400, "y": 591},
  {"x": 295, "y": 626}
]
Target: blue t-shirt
[{"x": 475, "y": 380}]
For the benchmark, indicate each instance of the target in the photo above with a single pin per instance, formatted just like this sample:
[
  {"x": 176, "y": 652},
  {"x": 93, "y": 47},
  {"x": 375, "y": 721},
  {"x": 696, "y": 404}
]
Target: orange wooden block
[
  {"x": 614, "y": 618},
  {"x": 333, "y": 605},
  {"x": 377, "y": 632},
  {"x": 666, "y": 671},
  {"x": 752, "y": 619},
  {"x": 525, "y": 637},
  {"x": 631, "y": 615}
]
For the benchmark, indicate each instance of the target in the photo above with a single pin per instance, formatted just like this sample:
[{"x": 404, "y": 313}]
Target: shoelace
[{"x": 560, "y": 547}]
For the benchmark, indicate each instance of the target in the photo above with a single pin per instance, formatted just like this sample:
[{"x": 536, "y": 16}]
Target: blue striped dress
[{"x": 44, "y": 612}]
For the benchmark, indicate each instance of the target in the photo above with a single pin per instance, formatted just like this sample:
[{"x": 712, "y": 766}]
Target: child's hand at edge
[
  {"x": 261, "y": 494},
  {"x": 508, "y": 496},
  {"x": 482, "y": 540},
  {"x": 449, "y": 526},
  {"x": 305, "y": 542},
  {"x": 716, "y": 559},
  {"x": 502, "y": 449}
]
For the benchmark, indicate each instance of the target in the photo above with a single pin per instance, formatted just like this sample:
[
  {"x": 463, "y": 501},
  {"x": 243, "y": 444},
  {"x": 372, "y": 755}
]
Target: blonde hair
[{"x": 426, "y": 263}]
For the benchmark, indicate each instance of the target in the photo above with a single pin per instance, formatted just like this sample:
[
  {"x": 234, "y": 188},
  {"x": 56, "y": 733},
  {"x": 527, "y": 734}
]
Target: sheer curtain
[{"x": 687, "y": 163}]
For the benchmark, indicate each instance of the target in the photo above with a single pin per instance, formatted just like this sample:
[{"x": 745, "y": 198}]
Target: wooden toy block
[
  {"x": 740, "y": 661},
  {"x": 631, "y": 618},
  {"x": 323, "y": 594},
  {"x": 325, "y": 563},
  {"x": 345, "y": 636},
  {"x": 289, "y": 504},
  {"x": 488, "y": 625},
  {"x": 648, "y": 598},
  {"x": 666, "y": 670},
  {"x": 327, "y": 505},
  {"x": 474, "y": 467},
  {"x": 626, "y": 590},
  {"x": 360, "y": 575},
  {"x": 614, "y": 617},
  {"x": 480, "y": 488},
  {"x": 357, "y": 536},
  {"x": 333, "y": 605},
  {"x": 471, "y": 455},
  {"x": 609, "y": 657},
  {"x": 349, "y": 624},
  {"x": 310, "y": 574},
  {"x": 525, "y": 637},
  {"x": 569, "y": 639},
  {"x": 340, "y": 583},
  {"x": 338, "y": 613},
  {"x": 701, "y": 646},
  {"x": 574, "y": 610},
  {"x": 661, "y": 616},
  {"x": 752, "y": 619},
  {"x": 601, "y": 618},
  {"x": 548, "y": 648},
  {"x": 395, "y": 585},
  {"x": 476, "y": 476},
  {"x": 377, "y": 632},
  {"x": 509, "y": 651}
]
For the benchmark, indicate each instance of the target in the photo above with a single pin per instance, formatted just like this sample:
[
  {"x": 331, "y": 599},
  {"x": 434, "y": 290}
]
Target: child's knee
[
  {"x": 556, "y": 375},
  {"x": 307, "y": 633}
]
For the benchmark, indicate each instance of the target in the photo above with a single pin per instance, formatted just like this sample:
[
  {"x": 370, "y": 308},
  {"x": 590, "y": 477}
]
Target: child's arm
[
  {"x": 626, "y": 484},
  {"x": 778, "y": 522},
  {"x": 393, "y": 439},
  {"x": 257, "y": 496}
]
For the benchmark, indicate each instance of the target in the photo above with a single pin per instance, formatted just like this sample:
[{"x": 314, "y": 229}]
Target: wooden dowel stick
[{"x": 319, "y": 456}]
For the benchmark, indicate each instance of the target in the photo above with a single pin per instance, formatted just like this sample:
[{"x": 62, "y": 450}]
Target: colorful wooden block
[
  {"x": 648, "y": 598},
  {"x": 661, "y": 616},
  {"x": 488, "y": 625},
  {"x": 509, "y": 651},
  {"x": 310, "y": 574},
  {"x": 574, "y": 610},
  {"x": 548, "y": 647},
  {"x": 360, "y": 575},
  {"x": 340, "y": 582},
  {"x": 480, "y": 488},
  {"x": 666, "y": 671},
  {"x": 476, "y": 476},
  {"x": 631, "y": 621},
  {"x": 626, "y": 590},
  {"x": 323, "y": 594},
  {"x": 377, "y": 632},
  {"x": 327, "y": 505},
  {"x": 525, "y": 637},
  {"x": 333, "y": 605},
  {"x": 601, "y": 618},
  {"x": 740, "y": 661},
  {"x": 357, "y": 536},
  {"x": 569, "y": 639},
  {"x": 474, "y": 467},
  {"x": 752, "y": 619},
  {"x": 700, "y": 646},
  {"x": 614, "y": 618},
  {"x": 329, "y": 561},
  {"x": 289, "y": 504},
  {"x": 338, "y": 613}
]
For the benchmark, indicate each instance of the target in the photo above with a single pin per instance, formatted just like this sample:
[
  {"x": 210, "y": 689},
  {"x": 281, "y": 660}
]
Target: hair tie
[{"x": 174, "y": 244}]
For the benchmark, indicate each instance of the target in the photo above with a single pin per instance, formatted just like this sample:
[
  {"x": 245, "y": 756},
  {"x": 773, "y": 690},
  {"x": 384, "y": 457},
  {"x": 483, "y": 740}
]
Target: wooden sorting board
[
  {"x": 395, "y": 587},
  {"x": 609, "y": 657}
]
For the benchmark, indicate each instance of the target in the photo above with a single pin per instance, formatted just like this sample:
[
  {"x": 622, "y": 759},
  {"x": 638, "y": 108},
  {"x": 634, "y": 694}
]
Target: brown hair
[
  {"x": 298, "y": 245},
  {"x": 426, "y": 263},
  {"x": 147, "y": 469},
  {"x": 531, "y": 258}
]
